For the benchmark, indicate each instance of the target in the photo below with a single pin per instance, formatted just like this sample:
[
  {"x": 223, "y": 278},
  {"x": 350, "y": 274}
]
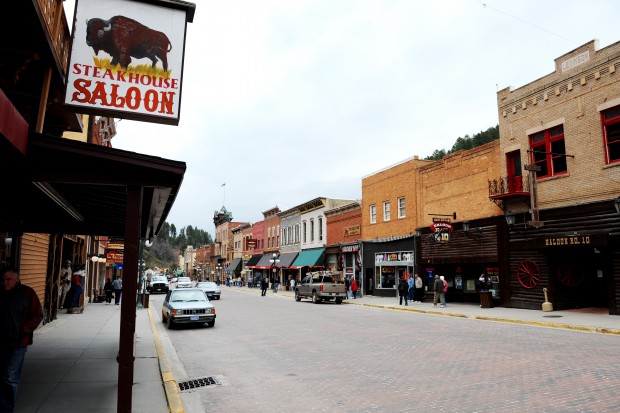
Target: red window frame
[
  {"x": 548, "y": 151},
  {"x": 610, "y": 120}
]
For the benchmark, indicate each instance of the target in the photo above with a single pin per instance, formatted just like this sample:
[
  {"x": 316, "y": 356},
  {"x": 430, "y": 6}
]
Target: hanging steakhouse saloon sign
[{"x": 127, "y": 60}]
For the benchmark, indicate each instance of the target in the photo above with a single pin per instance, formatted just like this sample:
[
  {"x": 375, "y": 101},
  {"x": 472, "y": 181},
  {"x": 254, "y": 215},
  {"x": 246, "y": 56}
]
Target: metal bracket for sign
[{"x": 453, "y": 215}]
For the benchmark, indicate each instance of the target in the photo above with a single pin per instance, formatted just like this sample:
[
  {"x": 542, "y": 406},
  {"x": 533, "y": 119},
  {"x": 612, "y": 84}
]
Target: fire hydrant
[{"x": 546, "y": 306}]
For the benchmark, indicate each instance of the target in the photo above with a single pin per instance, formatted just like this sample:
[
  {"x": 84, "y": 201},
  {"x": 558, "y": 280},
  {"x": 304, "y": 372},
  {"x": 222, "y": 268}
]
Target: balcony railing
[
  {"x": 505, "y": 187},
  {"x": 56, "y": 23}
]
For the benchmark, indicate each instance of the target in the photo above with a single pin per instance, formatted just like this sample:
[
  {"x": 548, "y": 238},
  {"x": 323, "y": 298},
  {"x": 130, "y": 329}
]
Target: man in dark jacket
[
  {"x": 438, "y": 290},
  {"x": 20, "y": 314},
  {"x": 403, "y": 290}
]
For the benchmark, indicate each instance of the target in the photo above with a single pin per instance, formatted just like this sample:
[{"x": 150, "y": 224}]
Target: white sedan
[{"x": 184, "y": 282}]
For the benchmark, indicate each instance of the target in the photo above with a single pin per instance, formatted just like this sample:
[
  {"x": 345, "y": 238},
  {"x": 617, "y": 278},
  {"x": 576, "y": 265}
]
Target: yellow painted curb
[
  {"x": 547, "y": 324},
  {"x": 170, "y": 384}
]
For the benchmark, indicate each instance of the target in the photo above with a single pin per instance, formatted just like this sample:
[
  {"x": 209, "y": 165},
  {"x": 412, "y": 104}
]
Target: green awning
[{"x": 309, "y": 258}]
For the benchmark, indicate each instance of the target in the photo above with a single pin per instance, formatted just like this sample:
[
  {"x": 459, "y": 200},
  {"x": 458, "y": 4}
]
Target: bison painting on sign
[
  {"x": 124, "y": 38},
  {"x": 127, "y": 63}
]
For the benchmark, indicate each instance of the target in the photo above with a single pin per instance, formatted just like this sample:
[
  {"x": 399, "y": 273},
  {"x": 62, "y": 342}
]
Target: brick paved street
[{"x": 273, "y": 354}]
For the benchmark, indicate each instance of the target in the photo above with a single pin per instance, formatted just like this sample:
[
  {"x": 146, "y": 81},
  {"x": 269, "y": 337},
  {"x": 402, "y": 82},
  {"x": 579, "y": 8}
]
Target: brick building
[
  {"x": 344, "y": 230},
  {"x": 432, "y": 201},
  {"x": 560, "y": 153}
]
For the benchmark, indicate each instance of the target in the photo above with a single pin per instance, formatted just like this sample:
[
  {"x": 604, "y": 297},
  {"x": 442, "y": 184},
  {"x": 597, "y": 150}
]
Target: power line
[{"x": 485, "y": 5}]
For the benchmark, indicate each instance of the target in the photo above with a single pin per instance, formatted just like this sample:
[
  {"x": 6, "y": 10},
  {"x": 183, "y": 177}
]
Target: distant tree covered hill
[
  {"x": 169, "y": 244},
  {"x": 467, "y": 142}
]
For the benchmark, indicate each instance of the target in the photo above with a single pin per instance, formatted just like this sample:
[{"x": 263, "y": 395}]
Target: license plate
[{"x": 193, "y": 318}]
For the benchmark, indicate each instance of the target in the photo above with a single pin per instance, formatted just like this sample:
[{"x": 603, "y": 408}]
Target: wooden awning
[{"x": 70, "y": 187}]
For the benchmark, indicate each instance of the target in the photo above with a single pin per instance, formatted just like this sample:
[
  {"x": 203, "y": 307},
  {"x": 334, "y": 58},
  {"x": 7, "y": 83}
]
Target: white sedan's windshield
[
  {"x": 183, "y": 279},
  {"x": 185, "y": 296}
]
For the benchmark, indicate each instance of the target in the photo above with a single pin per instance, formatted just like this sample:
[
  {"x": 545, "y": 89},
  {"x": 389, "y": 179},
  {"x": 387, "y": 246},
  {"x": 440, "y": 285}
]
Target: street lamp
[
  {"x": 219, "y": 272},
  {"x": 274, "y": 262}
]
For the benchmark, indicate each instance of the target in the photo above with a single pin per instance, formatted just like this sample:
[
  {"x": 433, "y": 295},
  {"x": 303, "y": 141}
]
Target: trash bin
[
  {"x": 145, "y": 300},
  {"x": 486, "y": 299}
]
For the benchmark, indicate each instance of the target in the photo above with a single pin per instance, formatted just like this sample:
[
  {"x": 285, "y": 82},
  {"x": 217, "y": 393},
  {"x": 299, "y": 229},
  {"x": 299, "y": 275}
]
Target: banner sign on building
[{"x": 127, "y": 60}]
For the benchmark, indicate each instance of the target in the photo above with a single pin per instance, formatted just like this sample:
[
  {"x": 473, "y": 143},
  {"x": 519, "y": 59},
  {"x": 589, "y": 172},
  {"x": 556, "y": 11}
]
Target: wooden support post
[{"x": 126, "y": 354}]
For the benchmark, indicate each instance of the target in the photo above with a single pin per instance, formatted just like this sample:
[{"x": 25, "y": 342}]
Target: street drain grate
[
  {"x": 196, "y": 383},
  {"x": 553, "y": 316}
]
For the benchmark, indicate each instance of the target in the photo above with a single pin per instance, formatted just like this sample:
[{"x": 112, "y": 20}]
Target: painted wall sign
[
  {"x": 354, "y": 230},
  {"x": 561, "y": 241},
  {"x": 127, "y": 60},
  {"x": 575, "y": 61},
  {"x": 568, "y": 241}
]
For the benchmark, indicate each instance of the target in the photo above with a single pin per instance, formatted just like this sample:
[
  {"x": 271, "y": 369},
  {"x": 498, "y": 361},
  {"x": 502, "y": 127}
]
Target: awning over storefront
[
  {"x": 310, "y": 258},
  {"x": 264, "y": 262},
  {"x": 234, "y": 265},
  {"x": 254, "y": 259},
  {"x": 287, "y": 259}
]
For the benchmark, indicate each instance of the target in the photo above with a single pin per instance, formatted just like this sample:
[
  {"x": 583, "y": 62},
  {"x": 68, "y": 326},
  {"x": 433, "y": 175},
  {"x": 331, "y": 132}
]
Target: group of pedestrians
[
  {"x": 115, "y": 287},
  {"x": 351, "y": 286},
  {"x": 410, "y": 289},
  {"x": 440, "y": 287}
]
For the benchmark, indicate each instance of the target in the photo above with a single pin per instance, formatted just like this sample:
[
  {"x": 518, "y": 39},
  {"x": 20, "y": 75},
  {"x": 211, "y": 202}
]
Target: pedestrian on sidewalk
[
  {"x": 275, "y": 284},
  {"x": 20, "y": 314},
  {"x": 263, "y": 286},
  {"x": 403, "y": 290},
  {"x": 411, "y": 286},
  {"x": 445, "y": 290},
  {"x": 117, "y": 284},
  {"x": 354, "y": 287},
  {"x": 65, "y": 283},
  {"x": 437, "y": 290},
  {"x": 293, "y": 284},
  {"x": 419, "y": 289},
  {"x": 347, "y": 286},
  {"x": 109, "y": 289}
]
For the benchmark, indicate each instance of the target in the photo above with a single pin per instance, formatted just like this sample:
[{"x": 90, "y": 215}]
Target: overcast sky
[{"x": 285, "y": 101}]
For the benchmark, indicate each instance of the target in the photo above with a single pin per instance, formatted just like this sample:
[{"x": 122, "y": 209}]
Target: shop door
[
  {"x": 579, "y": 275},
  {"x": 513, "y": 169},
  {"x": 368, "y": 285}
]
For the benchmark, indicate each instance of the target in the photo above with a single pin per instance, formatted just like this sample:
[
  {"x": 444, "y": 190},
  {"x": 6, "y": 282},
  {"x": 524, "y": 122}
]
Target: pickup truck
[{"x": 321, "y": 286}]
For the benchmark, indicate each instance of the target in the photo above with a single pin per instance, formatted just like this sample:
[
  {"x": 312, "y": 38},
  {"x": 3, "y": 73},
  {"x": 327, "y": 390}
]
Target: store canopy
[
  {"x": 310, "y": 258},
  {"x": 254, "y": 259},
  {"x": 287, "y": 259},
  {"x": 234, "y": 265},
  {"x": 264, "y": 262}
]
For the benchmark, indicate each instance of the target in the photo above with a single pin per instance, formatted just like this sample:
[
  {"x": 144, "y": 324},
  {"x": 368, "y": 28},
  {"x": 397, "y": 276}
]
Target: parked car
[
  {"x": 211, "y": 289},
  {"x": 159, "y": 284},
  {"x": 184, "y": 282},
  {"x": 185, "y": 306}
]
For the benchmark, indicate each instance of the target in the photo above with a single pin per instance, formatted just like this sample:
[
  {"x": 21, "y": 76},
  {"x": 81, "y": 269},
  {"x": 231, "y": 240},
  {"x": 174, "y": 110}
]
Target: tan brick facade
[
  {"x": 458, "y": 183},
  {"x": 584, "y": 83},
  {"x": 387, "y": 186}
]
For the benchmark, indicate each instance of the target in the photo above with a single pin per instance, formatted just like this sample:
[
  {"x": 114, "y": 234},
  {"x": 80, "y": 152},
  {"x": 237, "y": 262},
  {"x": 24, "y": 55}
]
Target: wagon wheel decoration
[
  {"x": 528, "y": 274},
  {"x": 567, "y": 276}
]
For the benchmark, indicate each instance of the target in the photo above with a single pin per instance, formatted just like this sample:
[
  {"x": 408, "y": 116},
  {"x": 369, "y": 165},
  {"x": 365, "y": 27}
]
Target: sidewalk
[
  {"x": 71, "y": 367},
  {"x": 583, "y": 320}
]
